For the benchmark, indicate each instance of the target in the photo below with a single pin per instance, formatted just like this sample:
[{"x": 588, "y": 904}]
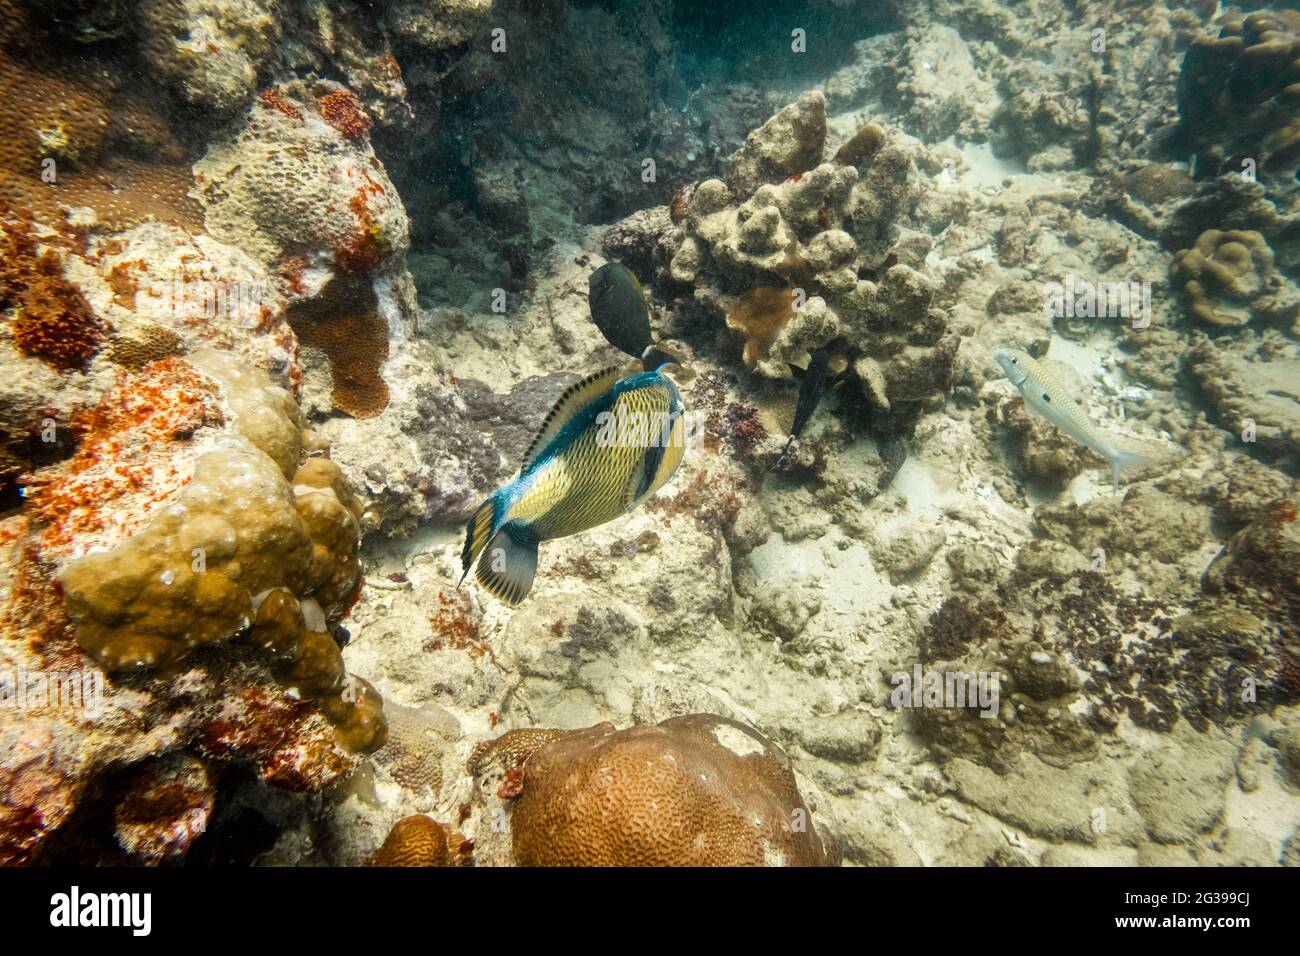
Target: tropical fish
[
  {"x": 619, "y": 309},
  {"x": 814, "y": 382},
  {"x": 1045, "y": 396},
  {"x": 607, "y": 445}
]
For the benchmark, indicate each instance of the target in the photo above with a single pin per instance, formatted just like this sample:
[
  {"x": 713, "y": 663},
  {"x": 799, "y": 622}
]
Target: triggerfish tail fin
[
  {"x": 478, "y": 531},
  {"x": 508, "y": 564},
  {"x": 1120, "y": 460}
]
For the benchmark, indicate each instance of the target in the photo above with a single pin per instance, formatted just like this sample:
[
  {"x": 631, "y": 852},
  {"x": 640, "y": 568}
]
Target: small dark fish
[
  {"x": 814, "y": 382},
  {"x": 619, "y": 309}
]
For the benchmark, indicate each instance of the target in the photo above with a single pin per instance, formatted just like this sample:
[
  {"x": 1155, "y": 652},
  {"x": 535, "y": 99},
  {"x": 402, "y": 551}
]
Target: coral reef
[
  {"x": 172, "y": 504},
  {"x": 221, "y": 406}
]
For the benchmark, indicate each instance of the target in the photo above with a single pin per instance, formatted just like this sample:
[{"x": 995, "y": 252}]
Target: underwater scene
[{"x": 484, "y": 433}]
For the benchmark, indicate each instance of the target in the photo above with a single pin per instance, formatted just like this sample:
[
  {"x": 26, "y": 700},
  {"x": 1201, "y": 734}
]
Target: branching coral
[{"x": 699, "y": 790}]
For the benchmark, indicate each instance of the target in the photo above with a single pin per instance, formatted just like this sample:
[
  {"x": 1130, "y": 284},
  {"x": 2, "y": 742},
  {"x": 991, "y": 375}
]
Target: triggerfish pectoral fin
[{"x": 508, "y": 564}]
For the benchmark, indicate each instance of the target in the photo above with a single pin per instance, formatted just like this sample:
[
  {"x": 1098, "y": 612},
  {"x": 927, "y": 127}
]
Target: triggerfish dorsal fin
[
  {"x": 575, "y": 398},
  {"x": 508, "y": 564}
]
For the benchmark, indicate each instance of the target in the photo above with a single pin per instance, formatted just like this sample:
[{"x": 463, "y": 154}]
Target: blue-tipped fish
[
  {"x": 814, "y": 382},
  {"x": 607, "y": 445},
  {"x": 1044, "y": 396},
  {"x": 619, "y": 309}
]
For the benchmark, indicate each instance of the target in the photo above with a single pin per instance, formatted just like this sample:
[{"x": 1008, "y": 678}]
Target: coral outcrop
[
  {"x": 1229, "y": 280},
  {"x": 170, "y": 501},
  {"x": 211, "y": 51},
  {"x": 1238, "y": 99},
  {"x": 779, "y": 249},
  {"x": 299, "y": 188}
]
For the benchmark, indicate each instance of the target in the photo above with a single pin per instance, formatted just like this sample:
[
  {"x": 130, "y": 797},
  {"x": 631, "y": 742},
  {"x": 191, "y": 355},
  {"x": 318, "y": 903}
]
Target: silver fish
[{"x": 1044, "y": 396}]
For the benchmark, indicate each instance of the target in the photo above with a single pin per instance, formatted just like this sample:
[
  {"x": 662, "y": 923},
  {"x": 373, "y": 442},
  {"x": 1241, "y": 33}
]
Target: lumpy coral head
[{"x": 699, "y": 790}]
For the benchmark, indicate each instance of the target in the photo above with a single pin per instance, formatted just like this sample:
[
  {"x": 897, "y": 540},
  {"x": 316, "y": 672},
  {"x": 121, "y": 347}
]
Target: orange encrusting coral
[
  {"x": 56, "y": 323},
  {"x": 273, "y": 99},
  {"x": 760, "y": 314},
  {"x": 366, "y": 246},
  {"x": 342, "y": 110},
  {"x": 168, "y": 400},
  {"x": 52, "y": 320}
]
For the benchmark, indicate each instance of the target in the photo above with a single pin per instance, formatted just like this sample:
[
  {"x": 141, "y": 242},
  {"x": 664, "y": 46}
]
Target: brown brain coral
[
  {"x": 419, "y": 841},
  {"x": 699, "y": 790}
]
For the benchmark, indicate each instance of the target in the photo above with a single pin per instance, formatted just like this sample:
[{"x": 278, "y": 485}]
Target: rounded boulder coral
[{"x": 698, "y": 790}]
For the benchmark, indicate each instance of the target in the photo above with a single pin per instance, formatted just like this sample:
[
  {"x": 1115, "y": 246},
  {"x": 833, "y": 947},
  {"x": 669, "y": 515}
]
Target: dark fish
[
  {"x": 607, "y": 445},
  {"x": 814, "y": 382},
  {"x": 619, "y": 309}
]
